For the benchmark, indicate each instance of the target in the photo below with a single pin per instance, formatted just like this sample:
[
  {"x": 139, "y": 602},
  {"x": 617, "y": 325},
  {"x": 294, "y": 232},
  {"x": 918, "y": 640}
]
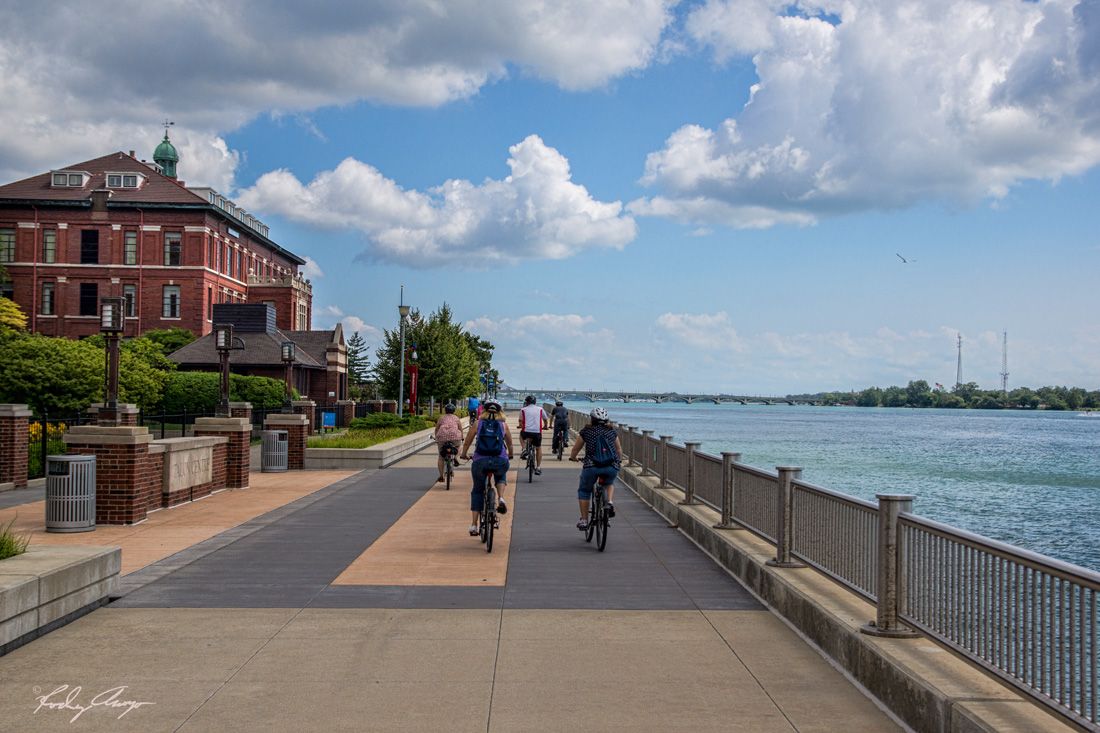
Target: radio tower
[
  {"x": 959, "y": 368},
  {"x": 1004, "y": 365}
]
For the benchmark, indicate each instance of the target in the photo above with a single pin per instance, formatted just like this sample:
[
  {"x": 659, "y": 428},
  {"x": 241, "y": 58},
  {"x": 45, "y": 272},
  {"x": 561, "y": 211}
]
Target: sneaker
[
  {"x": 523, "y": 455},
  {"x": 583, "y": 524},
  {"x": 439, "y": 480},
  {"x": 538, "y": 471},
  {"x": 473, "y": 530},
  {"x": 610, "y": 509},
  {"x": 502, "y": 508}
]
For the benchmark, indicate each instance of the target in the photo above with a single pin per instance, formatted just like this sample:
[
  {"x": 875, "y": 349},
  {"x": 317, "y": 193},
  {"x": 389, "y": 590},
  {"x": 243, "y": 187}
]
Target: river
[{"x": 1031, "y": 479}]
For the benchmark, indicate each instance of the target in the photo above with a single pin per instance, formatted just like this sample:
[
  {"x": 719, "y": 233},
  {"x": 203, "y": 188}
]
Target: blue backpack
[
  {"x": 490, "y": 438},
  {"x": 603, "y": 453}
]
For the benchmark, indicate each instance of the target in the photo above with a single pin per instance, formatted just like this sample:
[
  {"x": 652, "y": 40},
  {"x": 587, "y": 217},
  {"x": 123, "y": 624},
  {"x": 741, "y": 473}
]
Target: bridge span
[{"x": 596, "y": 395}]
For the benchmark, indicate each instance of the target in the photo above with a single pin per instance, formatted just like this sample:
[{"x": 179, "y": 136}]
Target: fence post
[
  {"x": 689, "y": 456},
  {"x": 647, "y": 453},
  {"x": 632, "y": 451},
  {"x": 784, "y": 518},
  {"x": 891, "y": 569},
  {"x": 729, "y": 476},
  {"x": 664, "y": 460}
]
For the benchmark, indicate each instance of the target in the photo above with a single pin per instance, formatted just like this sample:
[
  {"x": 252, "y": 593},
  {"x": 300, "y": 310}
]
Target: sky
[{"x": 737, "y": 196}]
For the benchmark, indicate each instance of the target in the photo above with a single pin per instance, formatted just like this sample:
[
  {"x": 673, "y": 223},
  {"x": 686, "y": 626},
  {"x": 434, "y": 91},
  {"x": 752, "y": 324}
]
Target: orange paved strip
[
  {"x": 430, "y": 545},
  {"x": 168, "y": 531}
]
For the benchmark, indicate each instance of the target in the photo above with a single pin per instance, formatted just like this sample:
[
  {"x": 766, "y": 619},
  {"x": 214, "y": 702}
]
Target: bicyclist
[
  {"x": 560, "y": 416},
  {"x": 448, "y": 435},
  {"x": 492, "y": 452},
  {"x": 594, "y": 436},
  {"x": 472, "y": 407},
  {"x": 532, "y": 421}
]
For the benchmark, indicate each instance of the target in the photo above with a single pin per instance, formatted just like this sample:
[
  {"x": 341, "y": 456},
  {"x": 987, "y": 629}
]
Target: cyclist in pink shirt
[{"x": 448, "y": 435}]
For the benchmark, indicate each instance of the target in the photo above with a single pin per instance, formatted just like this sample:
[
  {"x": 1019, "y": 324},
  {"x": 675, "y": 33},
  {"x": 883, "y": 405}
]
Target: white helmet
[{"x": 599, "y": 414}]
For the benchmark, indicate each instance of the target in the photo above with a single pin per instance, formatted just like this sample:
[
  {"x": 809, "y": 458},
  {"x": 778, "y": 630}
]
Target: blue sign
[{"x": 328, "y": 419}]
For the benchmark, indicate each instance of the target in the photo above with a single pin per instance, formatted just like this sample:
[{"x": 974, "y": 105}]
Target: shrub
[
  {"x": 200, "y": 391},
  {"x": 12, "y": 544}
]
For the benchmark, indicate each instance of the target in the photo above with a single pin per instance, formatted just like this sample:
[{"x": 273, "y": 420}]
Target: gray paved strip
[{"x": 15, "y": 497}]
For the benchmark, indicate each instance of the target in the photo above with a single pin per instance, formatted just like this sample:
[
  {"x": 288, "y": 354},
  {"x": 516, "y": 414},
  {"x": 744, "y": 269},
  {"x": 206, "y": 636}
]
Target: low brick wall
[
  {"x": 297, "y": 427},
  {"x": 128, "y": 472},
  {"x": 376, "y": 456},
  {"x": 211, "y": 449},
  {"x": 14, "y": 425}
]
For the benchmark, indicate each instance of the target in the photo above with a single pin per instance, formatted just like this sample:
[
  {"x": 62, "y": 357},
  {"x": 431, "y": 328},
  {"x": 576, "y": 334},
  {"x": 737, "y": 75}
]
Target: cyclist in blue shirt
[{"x": 472, "y": 406}]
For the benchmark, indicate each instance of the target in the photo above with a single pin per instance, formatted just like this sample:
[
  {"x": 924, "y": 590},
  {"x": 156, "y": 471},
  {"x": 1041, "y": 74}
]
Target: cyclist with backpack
[
  {"x": 602, "y": 455},
  {"x": 561, "y": 425},
  {"x": 492, "y": 450}
]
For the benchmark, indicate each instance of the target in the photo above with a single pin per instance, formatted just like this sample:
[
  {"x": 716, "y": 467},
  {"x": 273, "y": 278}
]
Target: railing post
[
  {"x": 647, "y": 453},
  {"x": 689, "y": 456},
  {"x": 664, "y": 460},
  {"x": 631, "y": 443},
  {"x": 728, "y": 479},
  {"x": 891, "y": 569},
  {"x": 784, "y": 518}
]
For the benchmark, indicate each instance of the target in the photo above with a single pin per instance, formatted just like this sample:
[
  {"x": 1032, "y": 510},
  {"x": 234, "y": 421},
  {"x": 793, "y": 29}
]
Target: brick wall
[
  {"x": 14, "y": 435},
  {"x": 296, "y": 427},
  {"x": 128, "y": 479},
  {"x": 238, "y": 451}
]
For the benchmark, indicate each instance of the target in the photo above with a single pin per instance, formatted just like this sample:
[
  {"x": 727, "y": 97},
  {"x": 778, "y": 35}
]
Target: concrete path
[{"x": 255, "y": 633}]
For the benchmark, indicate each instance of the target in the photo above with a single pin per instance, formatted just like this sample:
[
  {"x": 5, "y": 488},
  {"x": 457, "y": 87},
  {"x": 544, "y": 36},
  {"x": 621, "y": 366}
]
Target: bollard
[
  {"x": 647, "y": 453},
  {"x": 729, "y": 476},
  {"x": 891, "y": 570},
  {"x": 689, "y": 456},
  {"x": 783, "y": 517},
  {"x": 664, "y": 460}
]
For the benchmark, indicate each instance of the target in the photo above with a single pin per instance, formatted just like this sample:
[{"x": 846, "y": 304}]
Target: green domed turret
[{"x": 166, "y": 156}]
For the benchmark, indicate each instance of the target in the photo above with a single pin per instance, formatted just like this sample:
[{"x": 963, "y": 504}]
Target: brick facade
[
  {"x": 345, "y": 412},
  {"x": 309, "y": 409},
  {"x": 129, "y": 470},
  {"x": 14, "y": 437}
]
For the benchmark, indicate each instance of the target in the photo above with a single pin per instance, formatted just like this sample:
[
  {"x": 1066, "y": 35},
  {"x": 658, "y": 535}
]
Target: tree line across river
[{"x": 919, "y": 393}]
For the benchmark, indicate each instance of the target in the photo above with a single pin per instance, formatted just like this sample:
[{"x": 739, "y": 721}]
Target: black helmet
[
  {"x": 449, "y": 408},
  {"x": 492, "y": 406},
  {"x": 529, "y": 400},
  {"x": 558, "y": 403}
]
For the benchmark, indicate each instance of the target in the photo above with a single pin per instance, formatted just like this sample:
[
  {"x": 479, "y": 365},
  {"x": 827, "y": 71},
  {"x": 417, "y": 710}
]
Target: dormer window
[
  {"x": 69, "y": 179},
  {"x": 124, "y": 180}
]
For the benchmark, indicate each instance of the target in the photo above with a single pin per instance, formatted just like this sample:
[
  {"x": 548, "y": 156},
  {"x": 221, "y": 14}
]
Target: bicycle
[
  {"x": 449, "y": 465},
  {"x": 488, "y": 512},
  {"x": 559, "y": 441},
  {"x": 598, "y": 521},
  {"x": 529, "y": 451}
]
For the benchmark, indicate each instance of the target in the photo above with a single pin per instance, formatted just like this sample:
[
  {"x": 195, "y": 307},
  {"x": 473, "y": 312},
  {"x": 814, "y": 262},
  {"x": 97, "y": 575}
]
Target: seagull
[{"x": 903, "y": 259}]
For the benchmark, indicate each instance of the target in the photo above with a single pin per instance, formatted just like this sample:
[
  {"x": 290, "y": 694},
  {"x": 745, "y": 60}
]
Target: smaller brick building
[{"x": 320, "y": 369}]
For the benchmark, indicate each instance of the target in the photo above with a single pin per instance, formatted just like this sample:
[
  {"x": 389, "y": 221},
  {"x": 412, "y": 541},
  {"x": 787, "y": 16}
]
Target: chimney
[{"x": 131, "y": 153}]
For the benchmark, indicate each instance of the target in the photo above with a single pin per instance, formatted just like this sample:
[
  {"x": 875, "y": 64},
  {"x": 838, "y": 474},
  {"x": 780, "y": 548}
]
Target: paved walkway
[{"x": 320, "y": 617}]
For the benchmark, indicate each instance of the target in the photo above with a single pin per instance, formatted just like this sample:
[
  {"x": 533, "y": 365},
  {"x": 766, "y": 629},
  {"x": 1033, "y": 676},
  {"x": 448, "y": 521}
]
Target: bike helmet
[
  {"x": 529, "y": 400},
  {"x": 599, "y": 414},
  {"x": 492, "y": 406},
  {"x": 559, "y": 403},
  {"x": 450, "y": 408}
]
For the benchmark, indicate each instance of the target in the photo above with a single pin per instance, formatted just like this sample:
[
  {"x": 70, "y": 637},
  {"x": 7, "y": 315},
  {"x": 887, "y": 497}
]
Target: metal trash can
[
  {"x": 70, "y": 493},
  {"x": 274, "y": 452}
]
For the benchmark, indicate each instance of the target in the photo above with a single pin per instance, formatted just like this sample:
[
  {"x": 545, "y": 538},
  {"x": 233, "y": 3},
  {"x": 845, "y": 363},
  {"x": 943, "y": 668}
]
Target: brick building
[{"x": 119, "y": 226}]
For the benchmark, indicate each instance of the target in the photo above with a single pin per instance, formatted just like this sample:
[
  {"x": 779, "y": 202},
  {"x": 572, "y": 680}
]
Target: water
[{"x": 1031, "y": 479}]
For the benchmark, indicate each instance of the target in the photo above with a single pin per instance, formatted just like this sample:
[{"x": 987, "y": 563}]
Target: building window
[
  {"x": 225, "y": 260},
  {"x": 172, "y": 248},
  {"x": 210, "y": 304},
  {"x": 114, "y": 181},
  {"x": 7, "y": 245},
  {"x": 210, "y": 255},
  {"x": 68, "y": 179},
  {"x": 171, "y": 302},
  {"x": 240, "y": 265},
  {"x": 129, "y": 181},
  {"x": 129, "y": 251},
  {"x": 89, "y": 299},
  {"x": 301, "y": 316},
  {"x": 49, "y": 245},
  {"x": 229, "y": 262},
  {"x": 89, "y": 247},
  {"x": 47, "y": 299},
  {"x": 129, "y": 294},
  {"x": 7, "y": 291}
]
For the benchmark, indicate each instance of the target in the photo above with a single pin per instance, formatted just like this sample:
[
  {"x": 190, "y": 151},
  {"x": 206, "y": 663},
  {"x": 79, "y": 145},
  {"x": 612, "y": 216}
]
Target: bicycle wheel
[
  {"x": 449, "y": 471},
  {"x": 491, "y": 518},
  {"x": 591, "y": 520},
  {"x": 483, "y": 530},
  {"x": 601, "y": 526},
  {"x": 531, "y": 467}
]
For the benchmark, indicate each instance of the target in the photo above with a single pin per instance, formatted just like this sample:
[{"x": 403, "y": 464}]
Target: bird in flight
[{"x": 903, "y": 259}]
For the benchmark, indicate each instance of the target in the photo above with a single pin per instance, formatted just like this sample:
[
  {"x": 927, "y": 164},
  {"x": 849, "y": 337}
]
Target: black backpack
[
  {"x": 490, "y": 438},
  {"x": 603, "y": 453}
]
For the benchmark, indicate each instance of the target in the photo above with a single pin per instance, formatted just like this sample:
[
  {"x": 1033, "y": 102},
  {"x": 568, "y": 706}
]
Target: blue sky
[{"x": 637, "y": 194}]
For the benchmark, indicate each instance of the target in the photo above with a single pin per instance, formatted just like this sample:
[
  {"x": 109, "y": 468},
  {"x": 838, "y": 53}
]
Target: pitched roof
[
  {"x": 260, "y": 349},
  {"x": 157, "y": 189},
  {"x": 315, "y": 343}
]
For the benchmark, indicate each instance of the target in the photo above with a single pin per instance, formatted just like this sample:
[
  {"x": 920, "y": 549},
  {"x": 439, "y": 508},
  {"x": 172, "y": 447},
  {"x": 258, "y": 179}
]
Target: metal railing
[{"x": 1029, "y": 619}]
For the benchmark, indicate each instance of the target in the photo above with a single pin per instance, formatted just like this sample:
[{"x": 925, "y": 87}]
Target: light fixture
[{"x": 110, "y": 315}]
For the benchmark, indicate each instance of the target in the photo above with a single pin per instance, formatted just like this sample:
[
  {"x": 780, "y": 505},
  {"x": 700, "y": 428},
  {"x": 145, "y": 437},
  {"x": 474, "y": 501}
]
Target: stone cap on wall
[
  {"x": 303, "y": 403},
  {"x": 107, "y": 435},
  {"x": 223, "y": 424},
  {"x": 201, "y": 441},
  {"x": 14, "y": 411},
  {"x": 240, "y": 405},
  {"x": 283, "y": 418}
]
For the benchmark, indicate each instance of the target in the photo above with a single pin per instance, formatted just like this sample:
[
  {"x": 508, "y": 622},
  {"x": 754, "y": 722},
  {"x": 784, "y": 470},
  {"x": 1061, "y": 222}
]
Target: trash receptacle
[
  {"x": 274, "y": 451},
  {"x": 70, "y": 493}
]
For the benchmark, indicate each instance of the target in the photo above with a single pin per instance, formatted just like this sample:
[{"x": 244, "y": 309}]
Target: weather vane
[{"x": 167, "y": 124}]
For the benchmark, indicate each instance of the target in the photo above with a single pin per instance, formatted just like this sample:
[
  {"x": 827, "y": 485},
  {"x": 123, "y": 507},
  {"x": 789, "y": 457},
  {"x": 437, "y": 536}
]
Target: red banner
[{"x": 414, "y": 373}]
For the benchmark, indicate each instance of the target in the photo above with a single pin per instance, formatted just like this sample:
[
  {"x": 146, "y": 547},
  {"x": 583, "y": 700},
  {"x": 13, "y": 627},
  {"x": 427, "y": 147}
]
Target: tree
[
  {"x": 12, "y": 318},
  {"x": 358, "y": 363},
  {"x": 918, "y": 394},
  {"x": 169, "y": 339},
  {"x": 893, "y": 397},
  {"x": 870, "y": 397}
]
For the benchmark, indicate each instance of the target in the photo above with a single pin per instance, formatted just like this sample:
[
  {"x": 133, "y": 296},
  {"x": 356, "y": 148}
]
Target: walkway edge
[{"x": 929, "y": 688}]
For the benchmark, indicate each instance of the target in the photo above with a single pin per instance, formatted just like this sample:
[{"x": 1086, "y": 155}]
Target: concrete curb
[
  {"x": 928, "y": 687},
  {"x": 382, "y": 455}
]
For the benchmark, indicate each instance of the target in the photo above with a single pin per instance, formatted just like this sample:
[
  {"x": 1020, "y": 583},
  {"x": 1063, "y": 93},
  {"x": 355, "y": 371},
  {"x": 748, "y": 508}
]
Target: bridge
[{"x": 509, "y": 392}]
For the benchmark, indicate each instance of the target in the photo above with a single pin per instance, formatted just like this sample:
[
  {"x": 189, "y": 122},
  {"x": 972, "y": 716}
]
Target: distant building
[
  {"x": 320, "y": 370},
  {"x": 119, "y": 226}
]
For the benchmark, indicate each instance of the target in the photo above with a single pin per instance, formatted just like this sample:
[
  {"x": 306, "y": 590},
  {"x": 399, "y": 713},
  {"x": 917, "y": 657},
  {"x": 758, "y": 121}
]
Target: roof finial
[{"x": 167, "y": 124}]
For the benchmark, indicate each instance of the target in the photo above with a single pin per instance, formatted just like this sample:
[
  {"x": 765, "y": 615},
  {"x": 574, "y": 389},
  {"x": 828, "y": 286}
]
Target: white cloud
[
  {"x": 213, "y": 67},
  {"x": 536, "y": 212},
  {"x": 898, "y": 102},
  {"x": 311, "y": 269},
  {"x": 705, "y": 331},
  {"x": 328, "y": 316}
]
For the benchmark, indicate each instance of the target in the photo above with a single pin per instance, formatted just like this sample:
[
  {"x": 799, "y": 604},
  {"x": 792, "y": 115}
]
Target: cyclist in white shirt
[{"x": 532, "y": 421}]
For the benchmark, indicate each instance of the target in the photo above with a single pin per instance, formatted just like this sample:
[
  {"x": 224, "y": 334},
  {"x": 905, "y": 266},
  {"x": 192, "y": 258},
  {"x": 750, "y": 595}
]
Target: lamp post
[
  {"x": 288, "y": 361},
  {"x": 110, "y": 324},
  {"x": 223, "y": 343},
  {"x": 403, "y": 311}
]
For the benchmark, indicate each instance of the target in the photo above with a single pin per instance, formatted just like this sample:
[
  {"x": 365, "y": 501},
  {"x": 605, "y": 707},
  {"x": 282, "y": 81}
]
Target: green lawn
[{"x": 358, "y": 438}]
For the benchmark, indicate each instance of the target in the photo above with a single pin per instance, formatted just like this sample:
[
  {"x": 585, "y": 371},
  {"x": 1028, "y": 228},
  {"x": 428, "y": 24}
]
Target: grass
[
  {"x": 12, "y": 544},
  {"x": 358, "y": 438}
]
